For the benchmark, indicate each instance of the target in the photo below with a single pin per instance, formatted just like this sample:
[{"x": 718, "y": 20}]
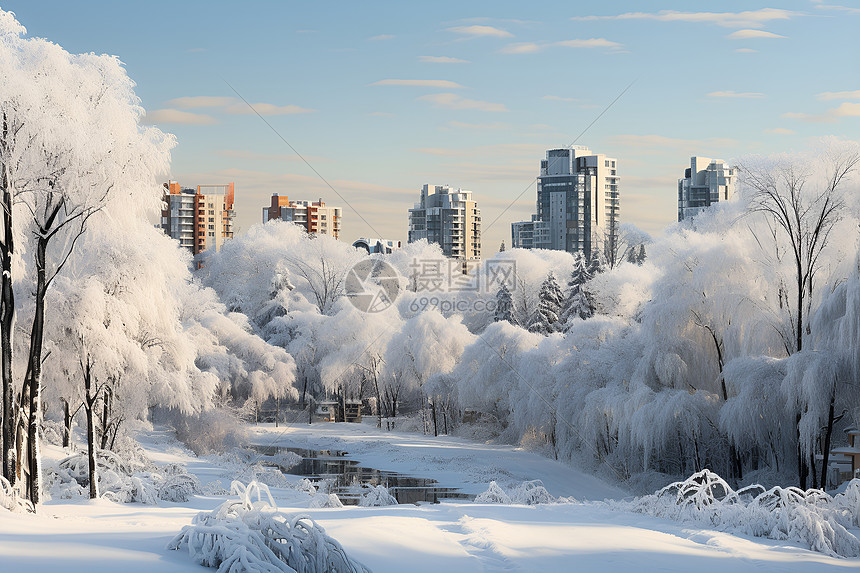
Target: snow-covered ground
[{"x": 449, "y": 537}]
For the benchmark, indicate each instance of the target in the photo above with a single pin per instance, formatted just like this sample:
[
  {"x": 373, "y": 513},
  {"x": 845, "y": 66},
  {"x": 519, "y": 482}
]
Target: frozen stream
[{"x": 345, "y": 477}]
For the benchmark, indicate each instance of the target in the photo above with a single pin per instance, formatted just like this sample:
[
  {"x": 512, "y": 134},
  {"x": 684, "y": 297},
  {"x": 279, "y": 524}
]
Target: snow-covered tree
[
  {"x": 504, "y": 305},
  {"x": 550, "y": 300},
  {"x": 576, "y": 303}
]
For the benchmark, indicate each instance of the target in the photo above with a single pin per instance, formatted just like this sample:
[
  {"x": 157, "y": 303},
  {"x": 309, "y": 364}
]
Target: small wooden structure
[
  {"x": 847, "y": 460},
  {"x": 338, "y": 411}
]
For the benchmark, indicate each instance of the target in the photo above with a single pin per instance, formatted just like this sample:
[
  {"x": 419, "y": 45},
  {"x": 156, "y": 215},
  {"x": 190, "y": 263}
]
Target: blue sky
[{"x": 384, "y": 97}]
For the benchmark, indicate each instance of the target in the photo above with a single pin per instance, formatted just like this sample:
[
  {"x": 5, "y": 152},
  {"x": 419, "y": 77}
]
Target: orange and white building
[
  {"x": 314, "y": 217},
  {"x": 200, "y": 219}
]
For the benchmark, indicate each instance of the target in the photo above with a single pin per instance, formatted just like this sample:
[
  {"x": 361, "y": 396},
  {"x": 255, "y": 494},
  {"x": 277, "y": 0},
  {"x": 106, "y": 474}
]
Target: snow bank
[
  {"x": 246, "y": 535},
  {"x": 811, "y": 517}
]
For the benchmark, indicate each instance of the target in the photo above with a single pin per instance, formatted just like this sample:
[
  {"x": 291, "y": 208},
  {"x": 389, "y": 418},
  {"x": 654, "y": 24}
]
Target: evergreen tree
[
  {"x": 550, "y": 299},
  {"x": 504, "y": 306},
  {"x": 577, "y": 302},
  {"x": 640, "y": 257},
  {"x": 502, "y": 248},
  {"x": 595, "y": 265}
]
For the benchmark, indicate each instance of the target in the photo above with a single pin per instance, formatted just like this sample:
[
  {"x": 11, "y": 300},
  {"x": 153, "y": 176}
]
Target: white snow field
[{"x": 84, "y": 536}]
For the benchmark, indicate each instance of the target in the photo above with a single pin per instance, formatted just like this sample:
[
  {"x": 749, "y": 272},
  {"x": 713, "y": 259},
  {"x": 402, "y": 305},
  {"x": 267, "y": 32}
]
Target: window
[
  {"x": 211, "y": 227},
  {"x": 211, "y": 219}
]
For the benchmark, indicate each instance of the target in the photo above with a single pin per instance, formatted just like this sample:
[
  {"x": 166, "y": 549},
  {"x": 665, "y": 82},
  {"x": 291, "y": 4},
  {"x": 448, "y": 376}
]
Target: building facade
[
  {"x": 450, "y": 218},
  {"x": 314, "y": 217},
  {"x": 578, "y": 204},
  {"x": 706, "y": 181},
  {"x": 200, "y": 219}
]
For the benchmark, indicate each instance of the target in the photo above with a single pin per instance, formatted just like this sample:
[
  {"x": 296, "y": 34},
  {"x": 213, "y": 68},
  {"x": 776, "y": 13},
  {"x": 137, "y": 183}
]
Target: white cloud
[
  {"x": 193, "y": 102},
  {"x": 441, "y": 60},
  {"x": 531, "y": 47},
  {"x": 454, "y": 101},
  {"x": 749, "y": 18},
  {"x": 736, "y": 95},
  {"x": 522, "y": 48},
  {"x": 589, "y": 43},
  {"x": 381, "y": 37},
  {"x": 749, "y": 34},
  {"x": 838, "y": 8},
  {"x": 650, "y": 144},
  {"x": 780, "y": 131},
  {"x": 242, "y": 108},
  {"x": 746, "y": 51},
  {"x": 485, "y": 31},
  {"x": 846, "y": 109},
  {"x": 380, "y": 114},
  {"x": 828, "y": 96},
  {"x": 419, "y": 83},
  {"x": 175, "y": 116}
]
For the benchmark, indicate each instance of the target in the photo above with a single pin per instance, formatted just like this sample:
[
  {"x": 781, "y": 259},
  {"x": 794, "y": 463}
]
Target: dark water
[{"x": 345, "y": 477}]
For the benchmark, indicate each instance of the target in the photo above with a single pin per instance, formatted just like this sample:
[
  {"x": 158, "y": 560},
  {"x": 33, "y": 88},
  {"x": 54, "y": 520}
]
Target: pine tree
[
  {"x": 577, "y": 302},
  {"x": 502, "y": 248},
  {"x": 550, "y": 299},
  {"x": 640, "y": 257},
  {"x": 504, "y": 306},
  {"x": 595, "y": 265}
]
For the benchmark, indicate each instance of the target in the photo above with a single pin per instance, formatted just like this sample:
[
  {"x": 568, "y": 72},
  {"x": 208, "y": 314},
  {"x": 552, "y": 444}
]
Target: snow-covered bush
[
  {"x": 223, "y": 431},
  {"x": 10, "y": 500},
  {"x": 321, "y": 500},
  {"x": 123, "y": 480},
  {"x": 527, "y": 493},
  {"x": 376, "y": 496},
  {"x": 811, "y": 517},
  {"x": 247, "y": 535}
]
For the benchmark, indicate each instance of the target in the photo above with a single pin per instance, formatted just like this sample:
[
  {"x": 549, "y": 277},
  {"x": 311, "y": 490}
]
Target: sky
[{"x": 363, "y": 103}]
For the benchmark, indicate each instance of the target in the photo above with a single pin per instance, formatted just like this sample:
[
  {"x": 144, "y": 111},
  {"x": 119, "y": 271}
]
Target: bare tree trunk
[
  {"x": 827, "y": 436},
  {"x": 67, "y": 424},
  {"x": 105, "y": 421},
  {"x": 89, "y": 409},
  {"x": 34, "y": 370},
  {"x": 7, "y": 318}
]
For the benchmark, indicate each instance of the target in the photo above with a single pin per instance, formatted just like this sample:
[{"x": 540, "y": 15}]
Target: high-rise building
[
  {"x": 526, "y": 234},
  {"x": 706, "y": 181},
  {"x": 449, "y": 217},
  {"x": 200, "y": 219},
  {"x": 577, "y": 203},
  {"x": 313, "y": 217}
]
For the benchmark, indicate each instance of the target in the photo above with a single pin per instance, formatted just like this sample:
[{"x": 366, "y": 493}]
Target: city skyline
[{"x": 380, "y": 100}]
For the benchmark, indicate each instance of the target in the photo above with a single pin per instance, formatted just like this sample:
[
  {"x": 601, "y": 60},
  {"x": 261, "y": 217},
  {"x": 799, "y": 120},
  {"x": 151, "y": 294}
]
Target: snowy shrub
[
  {"x": 322, "y": 500},
  {"x": 178, "y": 487},
  {"x": 10, "y": 500},
  {"x": 52, "y": 432},
  {"x": 222, "y": 430},
  {"x": 494, "y": 494},
  {"x": 247, "y": 535},
  {"x": 306, "y": 486},
  {"x": 284, "y": 460},
  {"x": 527, "y": 493},
  {"x": 376, "y": 496},
  {"x": 810, "y": 517},
  {"x": 120, "y": 480}
]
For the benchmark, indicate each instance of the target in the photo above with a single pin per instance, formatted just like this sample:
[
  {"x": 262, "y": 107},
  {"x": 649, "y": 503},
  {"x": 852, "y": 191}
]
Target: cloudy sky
[{"x": 381, "y": 98}]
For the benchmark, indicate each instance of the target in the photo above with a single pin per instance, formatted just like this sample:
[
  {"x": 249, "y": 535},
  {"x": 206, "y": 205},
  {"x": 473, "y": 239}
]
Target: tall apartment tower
[
  {"x": 200, "y": 219},
  {"x": 314, "y": 217},
  {"x": 577, "y": 204},
  {"x": 707, "y": 181},
  {"x": 449, "y": 217}
]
